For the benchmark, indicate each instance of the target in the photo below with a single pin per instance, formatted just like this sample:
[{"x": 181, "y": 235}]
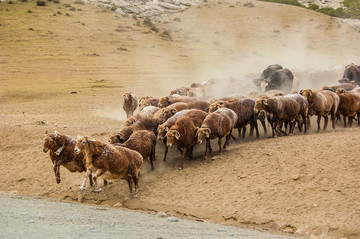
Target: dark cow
[
  {"x": 351, "y": 74},
  {"x": 274, "y": 77}
]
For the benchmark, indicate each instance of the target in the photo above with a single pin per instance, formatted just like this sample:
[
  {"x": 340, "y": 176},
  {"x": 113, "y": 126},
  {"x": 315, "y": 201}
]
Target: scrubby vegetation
[{"x": 351, "y": 10}]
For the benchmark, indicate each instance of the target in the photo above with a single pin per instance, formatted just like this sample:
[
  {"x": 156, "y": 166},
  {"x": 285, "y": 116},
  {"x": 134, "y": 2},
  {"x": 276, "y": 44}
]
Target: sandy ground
[{"x": 306, "y": 184}]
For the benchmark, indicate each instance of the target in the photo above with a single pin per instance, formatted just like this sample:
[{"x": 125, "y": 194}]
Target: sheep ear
[
  {"x": 118, "y": 136},
  {"x": 300, "y": 92},
  {"x": 56, "y": 133},
  {"x": 264, "y": 102},
  {"x": 177, "y": 135},
  {"x": 207, "y": 109},
  {"x": 173, "y": 111},
  {"x": 221, "y": 103}
]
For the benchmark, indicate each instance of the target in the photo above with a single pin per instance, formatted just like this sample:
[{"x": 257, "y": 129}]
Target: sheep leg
[
  {"x": 256, "y": 129},
  {"x": 243, "y": 133},
  {"x": 190, "y": 152},
  {"x": 136, "y": 182},
  {"x": 326, "y": 122},
  {"x": 318, "y": 122},
  {"x": 219, "y": 142},
  {"x": 226, "y": 142},
  {"x": 350, "y": 118},
  {"x": 88, "y": 172},
  {"x": 91, "y": 180},
  {"x": 129, "y": 180},
  {"x": 57, "y": 171},
  {"x": 97, "y": 174},
  {"x": 105, "y": 182},
  {"x": 181, "y": 166},
  {"x": 264, "y": 126},
  {"x": 308, "y": 124},
  {"x": 358, "y": 116},
  {"x": 210, "y": 148},
  {"x": 333, "y": 120},
  {"x": 152, "y": 157},
  {"x": 166, "y": 149},
  {"x": 206, "y": 147},
  {"x": 344, "y": 117}
]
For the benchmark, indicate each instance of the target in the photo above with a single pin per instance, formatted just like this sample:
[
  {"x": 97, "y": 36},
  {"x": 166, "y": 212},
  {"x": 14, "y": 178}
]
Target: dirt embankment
[{"x": 303, "y": 183}]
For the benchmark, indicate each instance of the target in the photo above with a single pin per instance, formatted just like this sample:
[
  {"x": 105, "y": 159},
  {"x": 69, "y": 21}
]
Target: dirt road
[{"x": 24, "y": 217}]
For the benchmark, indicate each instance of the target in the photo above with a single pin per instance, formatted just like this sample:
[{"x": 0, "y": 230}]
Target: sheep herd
[{"x": 187, "y": 117}]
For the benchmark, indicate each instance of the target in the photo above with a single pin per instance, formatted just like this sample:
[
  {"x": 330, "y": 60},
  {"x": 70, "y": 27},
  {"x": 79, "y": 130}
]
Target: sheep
[
  {"x": 218, "y": 124},
  {"x": 164, "y": 128},
  {"x": 110, "y": 161},
  {"x": 244, "y": 109},
  {"x": 176, "y": 107},
  {"x": 125, "y": 133},
  {"x": 168, "y": 100},
  {"x": 346, "y": 86},
  {"x": 284, "y": 108},
  {"x": 147, "y": 101},
  {"x": 130, "y": 104},
  {"x": 180, "y": 91},
  {"x": 229, "y": 98},
  {"x": 147, "y": 112},
  {"x": 322, "y": 104},
  {"x": 183, "y": 134},
  {"x": 62, "y": 152},
  {"x": 349, "y": 105},
  {"x": 144, "y": 142}
]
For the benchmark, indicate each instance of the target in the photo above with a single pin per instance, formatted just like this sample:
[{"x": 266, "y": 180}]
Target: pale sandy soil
[{"x": 303, "y": 183}]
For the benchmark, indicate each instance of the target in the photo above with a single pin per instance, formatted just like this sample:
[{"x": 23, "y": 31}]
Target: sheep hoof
[
  {"x": 82, "y": 188},
  {"x": 96, "y": 190},
  {"x": 180, "y": 168}
]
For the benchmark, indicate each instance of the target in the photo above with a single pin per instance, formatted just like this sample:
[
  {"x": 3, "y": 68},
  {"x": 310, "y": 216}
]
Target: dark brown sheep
[
  {"x": 125, "y": 133},
  {"x": 144, "y": 142},
  {"x": 110, "y": 161},
  {"x": 284, "y": 108},
  {"x": 61, "y": 151},
  {"x": 244, "y": 110},
  {"x": 130, "y": 104},
  {"x": 322, "y": 104},
  {"x": 349, "y": 105},
  {"x": 217, "y": 125},
  {"x": 183, "y": 134},
  {"x": 168, "y": 100}
]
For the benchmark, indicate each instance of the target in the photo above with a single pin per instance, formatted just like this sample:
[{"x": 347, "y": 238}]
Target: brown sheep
[
  {"x": 130, "y": 104},
  {"x": 147, "y": 112},
  {"x": 244, "y": 110},
  {"x": 322, "y": 104},
  {"x": 62, "y": 152},
  {"x": 351, "y": 74},
  {"x": 346, "y": 86},
  {"x": 284, "y": 108},
  {"x": 183, "y": 134},
  {"x": 180, "y": 91},
  {"x": 218, "y": 124},
  {"x": 177, "y": 107},
  {"x": 125, "y": 133},
  {"x": 229, "y": 98},
  {"x": 164, "y": 128},
  {"x": 147, "y": 101},
  {"x": 144, "y": 142},
  {"x": 110, "y": 161},
  {"x": 349, "y": 105},
  {"x": 168, "y": 100}
]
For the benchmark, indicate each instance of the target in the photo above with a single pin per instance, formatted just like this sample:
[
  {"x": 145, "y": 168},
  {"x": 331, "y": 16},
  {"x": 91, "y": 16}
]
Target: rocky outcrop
[{"x": 146, "y": 8}]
